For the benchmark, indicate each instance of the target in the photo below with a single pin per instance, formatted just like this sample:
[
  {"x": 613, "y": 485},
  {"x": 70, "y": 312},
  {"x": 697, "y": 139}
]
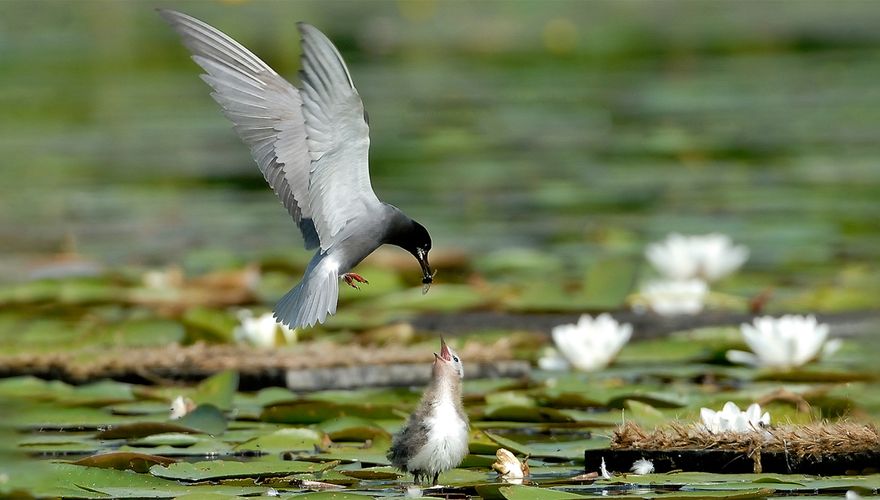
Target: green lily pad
[
  {"x": 373, "y": 455},
  {"x": 332, "y": 495},
  {"x": 527, "y": 414},
  {"x": 608, "y": 281},
  {"x": 218, "y": 390},
  {"x": 443, "y": 298},
  {"x": 518, "y": 492},
  {"x": 354, "y": 429},
  {"x": 176, "y": 439},
  {"x": 297, "y": 438},
  {"x": 374, "y": 473},
  {"x": 510, "y": 444},
  {"x": 655, "y": 400},
  {"x": 226, "y": 469},
  {"x": 209, "y": 324},
  {"x": 74, "y": 481},
  {"x": 313, "y": 412}
]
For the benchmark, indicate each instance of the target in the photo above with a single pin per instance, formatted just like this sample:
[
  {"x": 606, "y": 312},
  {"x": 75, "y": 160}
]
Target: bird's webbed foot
[{"x": 351, "y": 278}]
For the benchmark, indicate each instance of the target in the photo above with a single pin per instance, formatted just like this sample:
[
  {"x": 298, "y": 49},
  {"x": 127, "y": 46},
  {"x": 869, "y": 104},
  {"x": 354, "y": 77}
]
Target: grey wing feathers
[
  {"x": 407, "y": 443},
  {"x": 338, "y": 138},
  {"x": 265, "y": 109}
]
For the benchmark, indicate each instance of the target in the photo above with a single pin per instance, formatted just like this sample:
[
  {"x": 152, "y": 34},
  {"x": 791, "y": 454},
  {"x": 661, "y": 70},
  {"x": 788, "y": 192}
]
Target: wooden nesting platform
[{"x": 817, "y": 449}]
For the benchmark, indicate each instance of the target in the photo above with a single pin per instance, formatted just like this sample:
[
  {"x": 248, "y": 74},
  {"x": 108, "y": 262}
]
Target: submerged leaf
[
  {"x": 206, "y": 419},
  {"x": 138, "y": 462}
]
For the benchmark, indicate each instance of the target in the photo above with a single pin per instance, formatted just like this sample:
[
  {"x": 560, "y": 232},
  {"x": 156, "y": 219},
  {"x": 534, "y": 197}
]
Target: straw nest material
[{"x": 811, "y": 440}]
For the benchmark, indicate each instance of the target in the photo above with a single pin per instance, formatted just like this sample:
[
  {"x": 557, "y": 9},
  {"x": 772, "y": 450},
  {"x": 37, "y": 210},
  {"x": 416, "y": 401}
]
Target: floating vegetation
[{"x": 824, "y": 449}]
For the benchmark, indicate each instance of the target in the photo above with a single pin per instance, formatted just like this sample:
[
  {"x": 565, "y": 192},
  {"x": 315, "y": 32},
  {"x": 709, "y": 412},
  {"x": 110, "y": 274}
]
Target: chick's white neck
[{"x": 447, "y": 442}]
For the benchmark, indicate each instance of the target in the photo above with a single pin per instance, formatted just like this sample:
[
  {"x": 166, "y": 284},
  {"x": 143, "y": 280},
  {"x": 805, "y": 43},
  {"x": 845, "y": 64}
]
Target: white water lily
[
  {"x": 669, "y": 298},
  {"x": 783, "y": 343},
  {"x": 591, "y": 344},
  {"x": 261, "y": 331},
  {"x": 708, "y": 257},
  {"x": 642, "y": 466},
  {"x": 180, "y": 407},
  {"x": 732, "y": 419}
]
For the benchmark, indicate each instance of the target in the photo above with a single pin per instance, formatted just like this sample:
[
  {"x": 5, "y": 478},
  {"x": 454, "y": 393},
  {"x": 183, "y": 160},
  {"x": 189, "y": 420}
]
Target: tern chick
[
  {"x": 311, "y": 144},
  {"x": 435, "y": 437}
]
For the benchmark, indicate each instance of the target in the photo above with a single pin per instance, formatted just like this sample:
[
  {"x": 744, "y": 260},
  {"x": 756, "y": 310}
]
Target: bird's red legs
[{"x": 350, "y": 278}]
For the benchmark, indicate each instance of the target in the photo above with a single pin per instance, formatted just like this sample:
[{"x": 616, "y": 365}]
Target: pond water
[{"x": 572, "y": 129}]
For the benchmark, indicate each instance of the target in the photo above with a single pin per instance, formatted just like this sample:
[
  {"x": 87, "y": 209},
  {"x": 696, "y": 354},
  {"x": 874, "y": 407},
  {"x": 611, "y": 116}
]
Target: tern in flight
[{"x": 312, "y": 146}]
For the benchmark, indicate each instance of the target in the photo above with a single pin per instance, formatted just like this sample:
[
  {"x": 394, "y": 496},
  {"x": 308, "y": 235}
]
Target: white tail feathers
[{"x": 314, "y": 298}]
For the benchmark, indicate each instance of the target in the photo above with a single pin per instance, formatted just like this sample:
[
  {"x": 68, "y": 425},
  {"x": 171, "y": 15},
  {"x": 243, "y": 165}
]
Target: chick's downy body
[{"x": 435, "y": 437}]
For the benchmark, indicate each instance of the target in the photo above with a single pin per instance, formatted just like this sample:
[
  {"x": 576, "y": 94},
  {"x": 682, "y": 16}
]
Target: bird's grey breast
[{"x": 366, "y": 234}]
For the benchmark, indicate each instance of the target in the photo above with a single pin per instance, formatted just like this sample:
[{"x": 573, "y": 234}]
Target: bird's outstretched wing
[
  {"x": 338, "y": 138},
  {"x": 310, "y": 145}
]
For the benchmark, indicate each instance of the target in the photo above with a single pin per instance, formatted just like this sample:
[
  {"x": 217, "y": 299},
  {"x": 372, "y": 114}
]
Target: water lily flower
[
  {"x": 591, "y": 344},
  {"x": 261, "y": 331},
  {"x": 732, "y": 419},
  {"x": 783, "y": 343},
  {"x": 669, "y": 298},
  {"x": 510, "y": 468},
  {"x": 708, "y": 257},
  {"x": 180, "y": 407},
  {"x": 642, "y": 466}
]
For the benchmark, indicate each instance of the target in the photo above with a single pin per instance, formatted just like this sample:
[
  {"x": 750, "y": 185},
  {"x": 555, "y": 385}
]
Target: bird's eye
[{"x": 455, "y": 358}]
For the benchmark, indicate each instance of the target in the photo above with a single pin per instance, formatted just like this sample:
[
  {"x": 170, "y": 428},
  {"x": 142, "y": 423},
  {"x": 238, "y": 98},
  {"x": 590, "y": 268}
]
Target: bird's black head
[{"x": 414, "y": 238}]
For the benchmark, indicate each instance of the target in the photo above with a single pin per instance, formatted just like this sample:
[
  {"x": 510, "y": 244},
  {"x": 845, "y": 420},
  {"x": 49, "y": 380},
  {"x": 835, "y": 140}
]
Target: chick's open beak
[{"x": 444, "y": 350}]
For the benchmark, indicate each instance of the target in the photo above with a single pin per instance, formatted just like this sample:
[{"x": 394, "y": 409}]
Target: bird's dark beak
[{"x": 427, "y": 275}]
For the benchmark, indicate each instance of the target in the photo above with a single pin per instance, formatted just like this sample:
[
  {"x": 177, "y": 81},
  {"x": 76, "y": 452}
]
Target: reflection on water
[{"x": 568, "y": 127}]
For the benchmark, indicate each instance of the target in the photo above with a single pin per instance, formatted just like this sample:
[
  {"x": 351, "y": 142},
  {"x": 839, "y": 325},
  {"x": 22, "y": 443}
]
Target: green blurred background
[{"x": 575, "y": 129}]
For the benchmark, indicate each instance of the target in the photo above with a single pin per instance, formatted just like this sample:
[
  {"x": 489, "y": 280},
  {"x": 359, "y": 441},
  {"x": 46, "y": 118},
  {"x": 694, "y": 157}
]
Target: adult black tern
[{"x": 311, "y": 144}]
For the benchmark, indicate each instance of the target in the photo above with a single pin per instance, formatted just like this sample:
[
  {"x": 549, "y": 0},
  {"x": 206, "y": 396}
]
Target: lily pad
[
  {"x": 297, "y": 438},
  {"x": 312, "y": 412},
  {"x": 374, "y": 473},
  {"x": 517, "y": 492},
  {"x": 138, "y": 462},
  {"x": 205, "y": 419},
  {"x": 527, "y": 414},
  {"x": 218, "y": 390},
  {"x": 226, "y": 469}
]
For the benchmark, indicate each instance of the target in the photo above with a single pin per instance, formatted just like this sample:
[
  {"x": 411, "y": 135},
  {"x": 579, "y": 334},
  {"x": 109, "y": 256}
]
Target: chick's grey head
[{"x": 447, "y": 362}]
